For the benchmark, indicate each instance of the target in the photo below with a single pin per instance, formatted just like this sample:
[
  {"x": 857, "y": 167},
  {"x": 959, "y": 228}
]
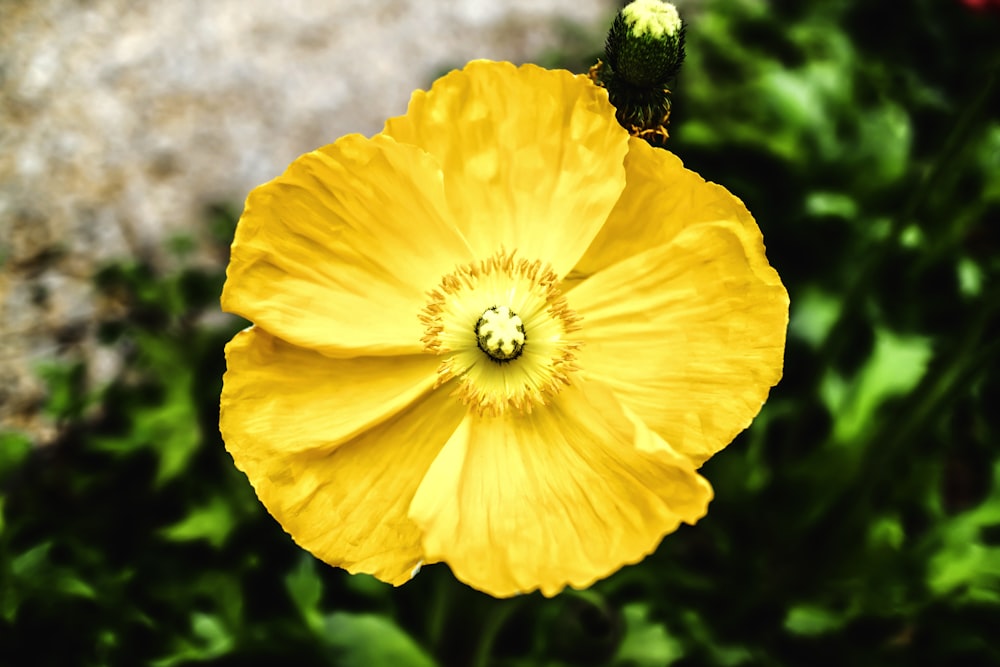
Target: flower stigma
[
  {"x": 500, "y": 334},
  {"x": 484, "y": 346}
]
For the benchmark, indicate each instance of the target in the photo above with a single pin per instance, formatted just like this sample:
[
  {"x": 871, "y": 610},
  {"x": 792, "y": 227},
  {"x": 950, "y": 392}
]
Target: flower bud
[
  {"x": 644, "y": 52},
  {"x": 646, "y": 43}
]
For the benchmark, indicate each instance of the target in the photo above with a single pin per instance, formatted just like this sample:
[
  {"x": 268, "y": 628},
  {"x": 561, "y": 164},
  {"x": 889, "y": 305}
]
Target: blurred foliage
[{"x": 857, "y": 522}]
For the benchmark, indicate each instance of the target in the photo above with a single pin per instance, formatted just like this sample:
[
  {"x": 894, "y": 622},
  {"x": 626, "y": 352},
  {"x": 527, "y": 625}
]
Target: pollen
[{"x": 504, "y": 333}]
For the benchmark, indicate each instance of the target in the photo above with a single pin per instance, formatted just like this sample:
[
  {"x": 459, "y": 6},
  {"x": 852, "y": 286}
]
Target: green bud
[
  {"x": 644, "y": 52},
  {"x": 646, "y": 42}
]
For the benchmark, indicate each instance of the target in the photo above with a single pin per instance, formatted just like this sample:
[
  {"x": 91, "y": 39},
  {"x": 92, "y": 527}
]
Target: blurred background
[{"x": 856, "y": 522}]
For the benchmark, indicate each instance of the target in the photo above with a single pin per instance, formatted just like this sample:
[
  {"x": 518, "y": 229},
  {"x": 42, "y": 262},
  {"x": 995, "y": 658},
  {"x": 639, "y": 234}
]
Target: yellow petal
[
  {"x": 337, "y": 253},
  {"x": 278, "y": 397},
  {"x": 343, "y": 500},
  {"x": 532, "y": 158},
  {"x": 660, "y": 200},
  {"x": 562, "y": 496},
  {"x": 689, "y": 335}
]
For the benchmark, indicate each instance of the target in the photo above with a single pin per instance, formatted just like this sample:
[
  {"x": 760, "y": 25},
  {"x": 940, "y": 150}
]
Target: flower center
[
  {"x": 479, "y": 320},
  {"x": 500, "y": 333}
]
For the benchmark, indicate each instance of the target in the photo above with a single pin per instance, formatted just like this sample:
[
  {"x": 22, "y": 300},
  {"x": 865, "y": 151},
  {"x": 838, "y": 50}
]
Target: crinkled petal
[
  {"x": 690, "y": 335},
  {"x": 661, "y": 199},
  {"x": 532, "y": 158},
  {"x": 336, "y": 254},
  {"x": 278, "y": 397},
  {"x": 346, "y": 503},
  {"x": 562, "y": 496}
]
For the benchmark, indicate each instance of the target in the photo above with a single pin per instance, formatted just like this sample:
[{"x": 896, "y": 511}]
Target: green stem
[
  {"x": 491, "y": 628},
  {"x": 955, "y": 233},
  {"x": 437, "y": 615},
  {"x": 952, "y": 149}
]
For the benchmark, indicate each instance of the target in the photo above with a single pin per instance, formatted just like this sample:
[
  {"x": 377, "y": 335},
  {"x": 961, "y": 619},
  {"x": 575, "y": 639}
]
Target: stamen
[{"x": 502, "y": 326}]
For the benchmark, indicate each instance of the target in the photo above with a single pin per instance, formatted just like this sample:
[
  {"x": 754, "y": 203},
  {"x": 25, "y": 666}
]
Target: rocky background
[{"x": 121, "y": 121}]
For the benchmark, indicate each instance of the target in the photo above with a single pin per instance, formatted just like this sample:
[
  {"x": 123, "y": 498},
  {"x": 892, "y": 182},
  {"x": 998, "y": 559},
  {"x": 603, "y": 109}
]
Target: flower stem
[
  {"x": 437, "y": 615},
  {"x": 491, "y": 628}
]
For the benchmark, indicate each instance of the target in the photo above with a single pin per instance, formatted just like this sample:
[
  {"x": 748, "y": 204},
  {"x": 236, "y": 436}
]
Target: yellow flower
[{"x": 501, "y": 334}]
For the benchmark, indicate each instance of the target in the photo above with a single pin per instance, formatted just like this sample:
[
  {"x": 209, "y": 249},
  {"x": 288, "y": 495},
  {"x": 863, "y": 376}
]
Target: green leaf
[
  {"x": 886, "y": 532},
  {"x": 306, "y": 588},
  {"x": 646, "y": 643},
  {"x": 170, "y": 428},
  {"x": 212, "y": 522},
  {"x": 970, "y": 277},
  {"x": 33, "y": 574},
  {"x": 965, "y": 564},
  {"x": 210, "y": 639},
  {"x": 14, "y": 449},
  {"x": 367, "y": 640},
  {"x": 896, "y": 365},
  {"x": 811, "y": 620},
  {"x": 884, "y": 145},
  {"x": 65, "y": 384},
  {"x": 837, "y": 204},
  {"x": 31, "y": 563},
  {"x": 812, "y": 316}
]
